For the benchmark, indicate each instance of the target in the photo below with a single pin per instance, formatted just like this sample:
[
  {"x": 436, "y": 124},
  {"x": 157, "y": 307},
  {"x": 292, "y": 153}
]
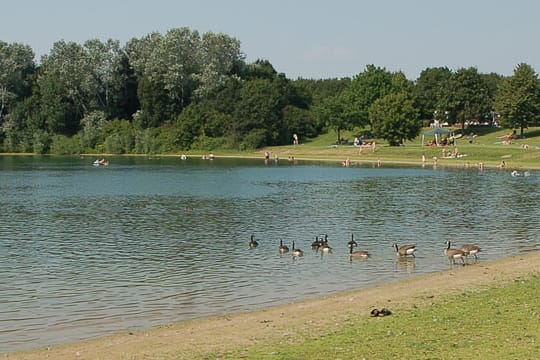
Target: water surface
[{"x": 89, "y": 251}]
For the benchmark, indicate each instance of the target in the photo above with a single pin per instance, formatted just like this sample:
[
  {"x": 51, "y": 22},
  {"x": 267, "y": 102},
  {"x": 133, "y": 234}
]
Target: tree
[
  {"x": 467, "y": 96},
  {"x": 69, "y": 86},
  {"x": 333, "y": 112},
  {"x": 258, "y": 114},
  {"x": 16, "y": 64},
  {"x": 219, "y": 55},
  {"x": 368, "y": 86},
  {"x": 110, "y": 80},
  {"x": 394, "y": 118},
  {"x": 430, "y": 89},
  {"x": 518, "y": 98},
  {"x": 176, "y": 68}
]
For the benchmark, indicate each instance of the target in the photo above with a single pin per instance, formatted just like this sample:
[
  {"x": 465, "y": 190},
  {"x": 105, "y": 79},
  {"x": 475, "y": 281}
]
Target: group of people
[
  {"x": 276, "y": 158},
  {"x": 451, "y": 154},
  {"x": 445, "y": 141}
]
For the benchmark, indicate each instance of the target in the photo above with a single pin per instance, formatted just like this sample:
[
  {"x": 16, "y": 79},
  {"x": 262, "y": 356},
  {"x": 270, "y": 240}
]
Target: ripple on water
[{"x": 85, "y": 253}]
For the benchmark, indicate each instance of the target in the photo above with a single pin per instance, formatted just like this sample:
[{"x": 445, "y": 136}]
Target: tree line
[{"x": 181, "y": 91}]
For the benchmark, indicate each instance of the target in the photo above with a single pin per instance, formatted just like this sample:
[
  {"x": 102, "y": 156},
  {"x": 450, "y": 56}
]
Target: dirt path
[{"x": 193, "y": 339}]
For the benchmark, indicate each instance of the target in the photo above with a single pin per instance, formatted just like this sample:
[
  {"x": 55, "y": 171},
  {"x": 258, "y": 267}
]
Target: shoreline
[
  {"x": 199, "y": 337},
  {"x": 461, "y": 163}
]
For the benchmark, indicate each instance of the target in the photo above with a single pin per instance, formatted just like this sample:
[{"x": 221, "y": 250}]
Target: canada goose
[
  {"x": 454, "y": 254},
  {"x": 324, "y": 247},
  {"x": 380, "y": 313},
  {"x": 405, "y": 250},
  {"x": 253, "y": 243},
  {"x": 470, "y": 249},
  {"x": 363, "y": 254},
  {"x": 316, "y": 244},
  {"x": 351, "y": 242},
  {"x": 296, "y": 252},
  {"x": 283, "y": 248}
]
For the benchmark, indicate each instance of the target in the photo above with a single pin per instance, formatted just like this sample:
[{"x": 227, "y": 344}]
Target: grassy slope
[
  {"x": 494, "y": 323},
  {"x": 486, "y": 148}
]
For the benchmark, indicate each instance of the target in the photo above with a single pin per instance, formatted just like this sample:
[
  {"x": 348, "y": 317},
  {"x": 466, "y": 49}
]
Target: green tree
[
  {"x": 518, "y": 98},
  {"x": 64, "y": 84},
  {"x": 258, "y": 113},
  {"x": 333, "y": 112},
  {"x": 467, "y": 96},
  {"x": 368, "y": 86},
  {"x": 16, "y": 66},
  {"x": 108, "y": 79},
  {"x": 318, "y": 90},
  {"x": 219, "y": 56},
  {"x": 178, "y": 67},
  {"x": 430, "y": 89},
  {"x": 394, "y": 118}
]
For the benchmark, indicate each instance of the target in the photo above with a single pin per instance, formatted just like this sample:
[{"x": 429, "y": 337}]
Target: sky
[{"x": 309, "y": 39}]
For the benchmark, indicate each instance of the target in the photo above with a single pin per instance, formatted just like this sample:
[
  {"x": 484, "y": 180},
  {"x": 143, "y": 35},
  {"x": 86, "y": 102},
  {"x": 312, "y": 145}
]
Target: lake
[{"x": 88, "y": 251}]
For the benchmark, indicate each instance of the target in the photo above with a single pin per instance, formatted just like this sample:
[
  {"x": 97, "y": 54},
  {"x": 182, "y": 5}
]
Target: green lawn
[
  {"x": 494, "y": 323},
  {"x": 486, "y": 148}
]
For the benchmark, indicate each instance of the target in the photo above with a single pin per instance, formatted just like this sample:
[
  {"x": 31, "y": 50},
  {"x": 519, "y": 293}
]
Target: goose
[
  {"x": 385, "y": 312},
  {"x": 283, "y": 248},
  {"x": 351, "y": 242},
  {"x": 296, "y": 252},
  {"x": 405, "y": 250},
  {"x": 454, "y": 254},
  {"x": 362, "y": 254},
  {"x": 316, "y": 244},
  {"x": 324, "y": 247},
  {"x": 253, "y": 243},
  {"x": 470, "y": 249}
]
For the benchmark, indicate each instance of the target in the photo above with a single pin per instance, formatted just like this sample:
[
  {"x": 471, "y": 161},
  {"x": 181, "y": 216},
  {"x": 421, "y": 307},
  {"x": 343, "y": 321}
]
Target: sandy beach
[{"x": 197, "y": 338}]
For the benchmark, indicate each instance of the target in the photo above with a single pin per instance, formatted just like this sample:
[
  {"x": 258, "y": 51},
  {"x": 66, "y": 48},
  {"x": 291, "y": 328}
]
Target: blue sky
[{"x": 302, "y": 38}]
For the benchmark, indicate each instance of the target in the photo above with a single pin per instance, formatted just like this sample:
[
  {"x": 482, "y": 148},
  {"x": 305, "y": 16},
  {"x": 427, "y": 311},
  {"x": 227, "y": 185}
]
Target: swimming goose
[
  {"x": 351, "y": 242},
  {"x": 296, "y": 252},
  {"x": 324, "y": 247},
  {"x": 316, "y": 244},
  {"x": 454, "y": 254},
  {"x": 283, "y": 248},
  {"x": 405, "y": 250},
  {"x": 362, "y": 254},
  {"x": 253, "y": 243},
  {"x": 470, "y": 249}
]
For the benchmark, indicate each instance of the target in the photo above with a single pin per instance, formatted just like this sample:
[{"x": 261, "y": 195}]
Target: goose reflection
[{"x": 405, "y": 264}]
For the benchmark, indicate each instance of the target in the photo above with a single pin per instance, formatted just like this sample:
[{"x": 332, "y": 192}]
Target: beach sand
[{"x": 199, "y": 338}]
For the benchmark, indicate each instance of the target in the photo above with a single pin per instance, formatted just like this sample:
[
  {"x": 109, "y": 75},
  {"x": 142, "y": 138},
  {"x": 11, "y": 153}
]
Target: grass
[
  {"x": 494, "y": 323},
  {"x": 486, "y": 148}
]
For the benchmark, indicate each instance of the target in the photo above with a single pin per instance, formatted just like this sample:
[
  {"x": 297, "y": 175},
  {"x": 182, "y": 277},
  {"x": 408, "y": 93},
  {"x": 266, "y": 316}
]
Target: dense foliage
[{"x": 180, "y": 91}]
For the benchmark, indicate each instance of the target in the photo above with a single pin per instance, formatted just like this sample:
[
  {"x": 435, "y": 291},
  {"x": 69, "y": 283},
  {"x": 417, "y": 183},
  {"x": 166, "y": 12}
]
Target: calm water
[{"x": 89, "y": 251}]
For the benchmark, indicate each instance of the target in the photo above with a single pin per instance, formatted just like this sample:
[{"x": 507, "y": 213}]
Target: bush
[
  {"x": 120, "y": 143},
  {"x": 41, "y": 142},
  {"x": 254, "y": 140},
  {"x": 63, "y": 145},
  {"x": 209, "y": 143}
]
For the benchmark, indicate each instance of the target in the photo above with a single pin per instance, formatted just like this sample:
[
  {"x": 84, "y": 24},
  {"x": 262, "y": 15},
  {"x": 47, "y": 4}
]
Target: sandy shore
[{"x": 195, "y": 339}]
